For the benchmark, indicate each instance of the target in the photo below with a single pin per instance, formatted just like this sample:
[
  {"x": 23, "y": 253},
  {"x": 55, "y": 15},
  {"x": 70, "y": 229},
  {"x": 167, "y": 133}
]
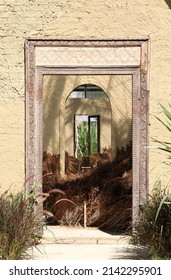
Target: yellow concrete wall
[{"x": 75, "y": 19}]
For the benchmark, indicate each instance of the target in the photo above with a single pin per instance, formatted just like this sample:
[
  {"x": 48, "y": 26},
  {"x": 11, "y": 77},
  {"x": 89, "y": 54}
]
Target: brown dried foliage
[{"x": 106, "y": 188}]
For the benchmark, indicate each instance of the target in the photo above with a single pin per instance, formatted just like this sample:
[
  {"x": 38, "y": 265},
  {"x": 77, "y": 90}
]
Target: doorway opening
[
  {"x": 98, "y": 150},
  {"x": 87, "y": 135}
]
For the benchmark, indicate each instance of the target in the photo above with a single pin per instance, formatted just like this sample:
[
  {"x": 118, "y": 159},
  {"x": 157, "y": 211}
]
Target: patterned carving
[
  {"x": 144, "y": 139},
  {"x": 34, "y": 80},
  {"x": 30, "y": 114},
  {"x": 86, "y": 56},
  {"x": 135, "y": 143}
]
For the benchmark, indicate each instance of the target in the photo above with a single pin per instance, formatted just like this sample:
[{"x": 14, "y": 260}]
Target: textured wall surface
[{"x": 75, "y": 19}]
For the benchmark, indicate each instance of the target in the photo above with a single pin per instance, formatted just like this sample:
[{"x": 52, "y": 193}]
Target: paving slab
[
  {"x": 71, "y": 243},
  {"x": 67, "y": 235}
]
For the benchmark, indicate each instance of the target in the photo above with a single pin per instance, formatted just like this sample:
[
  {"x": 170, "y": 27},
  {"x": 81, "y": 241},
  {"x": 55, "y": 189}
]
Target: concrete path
[{"x": 69, "y": 243}]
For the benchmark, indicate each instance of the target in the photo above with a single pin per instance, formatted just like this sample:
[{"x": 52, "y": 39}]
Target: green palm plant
[
  {"x": 83, "y": 139},
  {"x": 153, "y": 227},
  {"x": 165, "y": 146}
]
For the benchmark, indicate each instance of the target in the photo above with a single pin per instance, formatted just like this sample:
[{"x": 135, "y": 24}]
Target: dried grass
[
  {"x": 107, "y": 190},
  {"x": 20, "y": 226}
]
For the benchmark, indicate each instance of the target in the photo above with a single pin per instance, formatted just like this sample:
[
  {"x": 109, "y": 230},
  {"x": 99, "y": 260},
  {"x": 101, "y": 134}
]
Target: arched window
[{"x": 88, "y": 91}]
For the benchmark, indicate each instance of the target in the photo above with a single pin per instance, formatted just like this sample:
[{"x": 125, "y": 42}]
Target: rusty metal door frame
[{"x": 140, "y": 95}]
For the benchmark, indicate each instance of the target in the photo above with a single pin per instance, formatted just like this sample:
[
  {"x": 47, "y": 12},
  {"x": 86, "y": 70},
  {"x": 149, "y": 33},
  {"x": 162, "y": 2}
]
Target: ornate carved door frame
[{"x": 97, "y": 57}]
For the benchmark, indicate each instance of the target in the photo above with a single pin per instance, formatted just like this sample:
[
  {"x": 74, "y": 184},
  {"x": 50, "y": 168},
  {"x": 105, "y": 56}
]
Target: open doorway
[
  {"x": 87, "y": 135},
  {"x": 98, "y": 150}
]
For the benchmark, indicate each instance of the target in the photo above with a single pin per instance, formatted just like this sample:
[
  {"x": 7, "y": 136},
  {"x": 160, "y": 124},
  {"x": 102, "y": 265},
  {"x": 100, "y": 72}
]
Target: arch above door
[{"x": 88, "y": 57}]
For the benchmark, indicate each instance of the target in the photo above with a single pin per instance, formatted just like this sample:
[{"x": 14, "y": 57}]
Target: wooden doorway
[{"x": 115, "y": 56}]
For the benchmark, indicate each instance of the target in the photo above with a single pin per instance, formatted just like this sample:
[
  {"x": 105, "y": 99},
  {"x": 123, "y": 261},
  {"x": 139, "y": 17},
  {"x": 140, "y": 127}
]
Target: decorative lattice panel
[{"x": 75, "y": 56}]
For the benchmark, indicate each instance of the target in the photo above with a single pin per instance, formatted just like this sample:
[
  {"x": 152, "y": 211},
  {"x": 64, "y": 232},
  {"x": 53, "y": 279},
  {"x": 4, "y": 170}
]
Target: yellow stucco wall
[{"x": 75, "y": 19}]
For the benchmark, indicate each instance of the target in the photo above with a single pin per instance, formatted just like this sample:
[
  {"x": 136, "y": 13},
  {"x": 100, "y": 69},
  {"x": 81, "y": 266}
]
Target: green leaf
[
  {"x": 160, "y": 206},
  {"x": 166, "y": 112},
  {"x": 167, "y": 126},
  {"x": 165, "y": 149}
]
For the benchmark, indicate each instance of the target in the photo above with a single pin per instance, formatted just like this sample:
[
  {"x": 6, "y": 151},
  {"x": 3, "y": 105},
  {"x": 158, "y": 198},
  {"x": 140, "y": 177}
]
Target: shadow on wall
[
  {"x": 121, "y": 90},
  {"x": 53, "y": 90},
  {"x": 51, "y": 101},
  {"x": 120, "y": 94},
  {"x": 124, "y": 132},
  {"x": 168, "y": 2}
]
